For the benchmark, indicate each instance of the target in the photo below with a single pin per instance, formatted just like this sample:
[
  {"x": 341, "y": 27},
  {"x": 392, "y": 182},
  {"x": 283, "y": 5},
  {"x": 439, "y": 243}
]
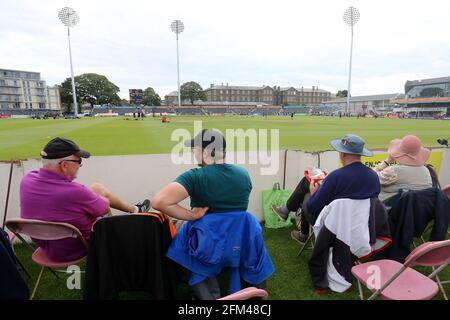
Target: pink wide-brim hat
[{"x": 409, "y": 151}]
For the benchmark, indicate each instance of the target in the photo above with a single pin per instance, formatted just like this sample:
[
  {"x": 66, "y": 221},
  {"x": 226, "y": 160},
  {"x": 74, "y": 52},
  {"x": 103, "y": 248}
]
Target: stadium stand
[{"x": 188, "y": 110}]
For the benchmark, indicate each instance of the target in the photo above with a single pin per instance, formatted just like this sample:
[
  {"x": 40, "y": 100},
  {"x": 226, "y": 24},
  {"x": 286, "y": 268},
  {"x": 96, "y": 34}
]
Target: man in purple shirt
[{"x": 50, "y": 194}]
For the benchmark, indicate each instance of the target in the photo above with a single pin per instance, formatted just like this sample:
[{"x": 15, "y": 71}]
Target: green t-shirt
[{"x": 221, "y": 187}]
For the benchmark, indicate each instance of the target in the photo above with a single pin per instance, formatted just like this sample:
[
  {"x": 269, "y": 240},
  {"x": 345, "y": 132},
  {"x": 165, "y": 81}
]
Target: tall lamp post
[
  {"x": 178, "y": 27},
  {"x": 70, "y": 18},
  {"x": 351, "y": 17}
]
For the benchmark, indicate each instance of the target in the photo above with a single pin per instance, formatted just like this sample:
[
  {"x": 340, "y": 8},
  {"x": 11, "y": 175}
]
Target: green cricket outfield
[{"x": 24, "y": 138}]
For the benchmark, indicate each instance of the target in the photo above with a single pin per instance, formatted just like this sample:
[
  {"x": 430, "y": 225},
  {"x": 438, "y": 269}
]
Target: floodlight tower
[
  {"x": 177, "y": 27},
  {"x": 70, "y": 19},
  {"x": 351, "y": 17}
]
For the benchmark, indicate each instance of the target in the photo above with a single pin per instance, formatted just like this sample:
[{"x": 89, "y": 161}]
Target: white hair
[{"x": 51, "y": 163}]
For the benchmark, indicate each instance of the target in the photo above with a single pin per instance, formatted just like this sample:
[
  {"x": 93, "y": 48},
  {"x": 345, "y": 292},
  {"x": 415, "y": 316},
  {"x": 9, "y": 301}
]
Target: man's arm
[
  {"x": 167, "y": 199},
  {"x": 91, "y": 201}
]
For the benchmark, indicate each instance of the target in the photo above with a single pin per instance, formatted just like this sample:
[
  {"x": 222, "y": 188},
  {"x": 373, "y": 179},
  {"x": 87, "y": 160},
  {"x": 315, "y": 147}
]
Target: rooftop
[
  {"x": 304, "y": 89},
  {"x": 427, "y": 81},
  {"x": 376, "y": 97},
  {"x": 423, "y": 100}
]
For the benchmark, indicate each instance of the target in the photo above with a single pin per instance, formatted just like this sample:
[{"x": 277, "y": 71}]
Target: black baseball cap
[
  {"x": 207, "y": 139},
  {"x": 60, "y": 148}
]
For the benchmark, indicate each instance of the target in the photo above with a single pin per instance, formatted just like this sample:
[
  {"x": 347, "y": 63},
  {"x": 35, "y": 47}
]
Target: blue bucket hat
[{"x": 352, "y": 144}]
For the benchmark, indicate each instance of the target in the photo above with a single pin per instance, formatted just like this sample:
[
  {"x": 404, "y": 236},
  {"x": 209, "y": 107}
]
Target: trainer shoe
[
  {"x": 298, "y": 236},
  {"x": 279, "y": 214},
  {"x": 143, "y": 206}
]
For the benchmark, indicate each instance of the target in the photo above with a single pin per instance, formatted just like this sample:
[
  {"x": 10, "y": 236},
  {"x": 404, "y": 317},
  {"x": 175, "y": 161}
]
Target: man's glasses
[{"x": 77, "y": 161}]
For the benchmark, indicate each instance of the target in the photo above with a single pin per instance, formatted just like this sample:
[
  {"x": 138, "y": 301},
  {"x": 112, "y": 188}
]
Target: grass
[
  {"x": 291, "y": 280},
  {"x": 25, "y": 138}
]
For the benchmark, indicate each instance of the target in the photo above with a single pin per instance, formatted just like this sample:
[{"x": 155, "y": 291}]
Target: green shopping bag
[{"x": 277, "y": 197}]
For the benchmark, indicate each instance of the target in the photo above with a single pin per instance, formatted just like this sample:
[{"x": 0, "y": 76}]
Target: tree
[
  {"x": 192, "y": 91},
  {"x": 432, "y": 92},
  {"x": 151, "y": 98},
  {"x": 91, "y": 88},
  {"x": 342, "y": 94},
  {"x": 124, "y": 102}
]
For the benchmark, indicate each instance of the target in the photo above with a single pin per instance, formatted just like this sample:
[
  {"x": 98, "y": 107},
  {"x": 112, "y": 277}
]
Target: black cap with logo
[
  {"x": 207, "y": 139},
  {"x": 60, "y": 148}
]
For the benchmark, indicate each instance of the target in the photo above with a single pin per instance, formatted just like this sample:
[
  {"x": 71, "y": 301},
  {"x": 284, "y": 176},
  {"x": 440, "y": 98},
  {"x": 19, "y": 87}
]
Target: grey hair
[{"x": 49, "y": 163}]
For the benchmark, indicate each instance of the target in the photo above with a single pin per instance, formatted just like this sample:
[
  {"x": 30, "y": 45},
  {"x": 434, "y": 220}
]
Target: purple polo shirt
[{"x": 49, "y": 196}]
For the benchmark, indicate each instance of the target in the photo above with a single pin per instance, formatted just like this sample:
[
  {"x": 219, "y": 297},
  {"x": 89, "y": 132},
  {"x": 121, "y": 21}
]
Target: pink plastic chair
[
  {"x": 446, "y": 190},
  {"x": 11, "y": 235},
  {"x": 44, "y": 230},
  {"x": 395, "y": 281},
  {"x": 250, "y": 293}
]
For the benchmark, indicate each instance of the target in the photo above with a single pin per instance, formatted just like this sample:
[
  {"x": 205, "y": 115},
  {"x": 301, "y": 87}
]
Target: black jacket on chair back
[
  {"x": 410, "y": 217},
  {"x": 128, "y": 253}
]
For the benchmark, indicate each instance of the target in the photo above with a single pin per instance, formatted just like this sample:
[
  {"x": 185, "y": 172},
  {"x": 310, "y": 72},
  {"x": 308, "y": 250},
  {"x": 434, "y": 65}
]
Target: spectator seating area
[
  {"x": 195, "y": 110},
  {"x": 204, "y": 108}
]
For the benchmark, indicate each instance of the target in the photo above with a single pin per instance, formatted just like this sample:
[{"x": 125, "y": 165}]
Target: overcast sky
[{"x": 239, "y": 42}]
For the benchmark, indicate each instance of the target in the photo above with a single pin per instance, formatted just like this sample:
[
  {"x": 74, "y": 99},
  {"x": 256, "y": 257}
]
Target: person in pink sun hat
[{"x": 405, "y": 167}]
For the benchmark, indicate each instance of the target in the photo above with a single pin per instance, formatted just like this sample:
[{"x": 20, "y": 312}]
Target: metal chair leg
[
  {"x": 37, "y": 283},
  {"x": 309, "y": 239},
  {"x": 441, "y": 287},
  {"x": 22, "y": 267},
  {"x": 19, "y": 262},
  {"x": 25, "y": 242},
  {"x": 305, "y": 244},
  {"x": 54, "y": 273},
  {"x": 361, "y": 293}
]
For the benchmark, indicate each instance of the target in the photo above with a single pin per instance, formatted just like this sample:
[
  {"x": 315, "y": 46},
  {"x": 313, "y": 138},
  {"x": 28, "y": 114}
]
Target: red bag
[{"x": 315, "y": 179}]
